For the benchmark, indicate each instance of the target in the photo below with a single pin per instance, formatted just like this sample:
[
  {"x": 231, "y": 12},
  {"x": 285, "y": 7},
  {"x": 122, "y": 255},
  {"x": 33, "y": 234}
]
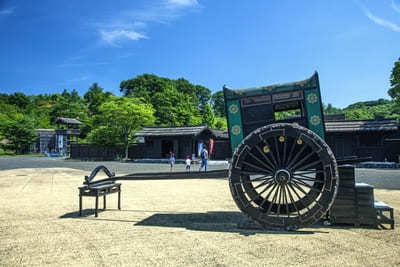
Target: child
[
  {"x": 187, "y": 163},
  {"x": 171, "y": 160}
]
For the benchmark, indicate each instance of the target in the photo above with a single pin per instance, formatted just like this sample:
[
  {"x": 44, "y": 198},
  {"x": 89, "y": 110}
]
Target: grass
[
  {"x": 166, "y": 223},
  {"x": 10, "y": 153}
]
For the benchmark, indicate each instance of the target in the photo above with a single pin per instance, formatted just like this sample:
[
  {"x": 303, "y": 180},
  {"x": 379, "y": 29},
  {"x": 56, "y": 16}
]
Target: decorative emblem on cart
[
  {"x": 312, "y": 98},
  {"x": 299, "y": 141},
  {"x": 233, "y": 108},
  {"x": 236, "y": 129},
  {"x": 315, "y": 120}
]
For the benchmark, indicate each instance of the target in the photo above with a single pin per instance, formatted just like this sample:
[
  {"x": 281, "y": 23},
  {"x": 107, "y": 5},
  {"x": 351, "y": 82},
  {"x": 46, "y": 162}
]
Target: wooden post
[
  {"x": 97, "y": 205},
  {"x": 119, "y": 198},
  {"x": 104, "y": 202}
]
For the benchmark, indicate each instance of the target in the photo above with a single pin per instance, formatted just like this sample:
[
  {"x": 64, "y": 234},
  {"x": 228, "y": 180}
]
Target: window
[{"x": 288, "y": 111}]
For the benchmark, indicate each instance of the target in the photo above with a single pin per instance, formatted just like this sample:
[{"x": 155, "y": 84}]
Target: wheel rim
[{"x": 283, "y": 175}]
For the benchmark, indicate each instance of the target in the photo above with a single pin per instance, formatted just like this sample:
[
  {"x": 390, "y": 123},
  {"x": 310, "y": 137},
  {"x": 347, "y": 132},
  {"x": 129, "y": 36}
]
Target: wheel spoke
[
  {"x": 309, "y": 165},
  {"x": 273, "y": 201},
  {"x": 297, "y": 155},
  {"x": 292, "y": 200},
  {"x": 265, "y": 157},
  {"x": 301, "y": 161},
  {"x": 258, "y": 195},
  {"x": 284, "y": 152},
  {"x": 272, "y": 154},
  {"x": 277, "y": 152},
  {"x": 284, "y": 200},
  {"x": 308, "y": 179},
  {"x": 269, "y": 194},
  {"x": 310, "y": 171},
  {"x": 291, "y": 151},
  {"x": 260, "y": 161},
  {"x": 279, "y": 201},
  {"x": 300, "y": 198},
  {"x": 306, "y": 185},
  {"x": 255, "y": 167},
  {"x": 263, "y": 183}
]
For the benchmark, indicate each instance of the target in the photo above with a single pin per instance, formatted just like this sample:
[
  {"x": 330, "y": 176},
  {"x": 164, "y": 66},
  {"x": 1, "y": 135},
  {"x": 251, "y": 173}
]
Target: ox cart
[{"x": 283, "y": 174}]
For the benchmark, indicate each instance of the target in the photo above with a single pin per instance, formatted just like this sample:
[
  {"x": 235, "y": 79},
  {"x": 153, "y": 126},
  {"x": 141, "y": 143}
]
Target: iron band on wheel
[{"x": 283, "y": 176}]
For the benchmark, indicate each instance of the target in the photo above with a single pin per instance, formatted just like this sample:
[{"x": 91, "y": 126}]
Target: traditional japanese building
[
  {"x": 158, "y": 142},
  {"x": 58, "y": 140}
]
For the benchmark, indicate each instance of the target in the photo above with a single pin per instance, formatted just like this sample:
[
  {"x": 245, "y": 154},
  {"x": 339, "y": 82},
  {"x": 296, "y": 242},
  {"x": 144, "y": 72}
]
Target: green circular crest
[
  {"x": 235, "y": 129},
  {"x": 233, "y": 108},
  {"x": 312, "y": 98},
  {"x": 315, "y": 120}
]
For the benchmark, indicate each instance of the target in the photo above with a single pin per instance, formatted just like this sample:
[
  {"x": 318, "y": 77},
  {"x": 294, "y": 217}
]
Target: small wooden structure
[
  {"x": 183, "y": 141},
  {"x": 58, "y": 140}
]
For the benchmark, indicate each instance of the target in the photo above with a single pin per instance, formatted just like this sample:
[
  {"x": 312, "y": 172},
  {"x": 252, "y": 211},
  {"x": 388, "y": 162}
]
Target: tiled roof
[
  {"x": 67, "y": 120},
  {"x": 172, "y": 131},
  {"x": 364, "y": 125}
]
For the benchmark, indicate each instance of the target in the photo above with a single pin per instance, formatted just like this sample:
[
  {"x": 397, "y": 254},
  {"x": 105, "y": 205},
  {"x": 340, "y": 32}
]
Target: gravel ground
[
  {"x": 167, "y": 223},
  {"x": 9, "y": 163},
  {"x": 380, "y": 178}
]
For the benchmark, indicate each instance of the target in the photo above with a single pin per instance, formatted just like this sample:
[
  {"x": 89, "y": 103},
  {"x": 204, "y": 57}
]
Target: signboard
[{"x": 60, "y": 142}]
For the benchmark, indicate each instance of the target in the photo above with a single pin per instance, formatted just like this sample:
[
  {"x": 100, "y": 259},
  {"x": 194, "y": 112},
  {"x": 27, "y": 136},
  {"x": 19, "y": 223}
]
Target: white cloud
[
  {"x": 131, "y": 25},
  {"x": 395, "y": 7},
  {"x": 382, "y": 22},
  {"x": 7, "y": 11},
  {"x": 182, "y": 2},
  {"x": 114, "y": 36},
  {"x": 377, "y": 20}
]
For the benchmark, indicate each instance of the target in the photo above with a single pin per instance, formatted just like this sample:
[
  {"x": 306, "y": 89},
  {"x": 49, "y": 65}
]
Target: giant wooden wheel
[{"x": 283, "y": 176}]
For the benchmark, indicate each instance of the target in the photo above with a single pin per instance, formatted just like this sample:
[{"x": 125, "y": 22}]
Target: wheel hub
[{"x": 282, "y": 176}]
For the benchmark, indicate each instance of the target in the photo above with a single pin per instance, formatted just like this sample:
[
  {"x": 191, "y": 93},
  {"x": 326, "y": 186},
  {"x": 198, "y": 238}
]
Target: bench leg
[
  {"x": 97, "y": 206},
  {"x": 80, "y": 205},
  {"x": 392, "y": 218},
  {"x": 104, "y": 202},
  {"x": 119, "y": 199}
]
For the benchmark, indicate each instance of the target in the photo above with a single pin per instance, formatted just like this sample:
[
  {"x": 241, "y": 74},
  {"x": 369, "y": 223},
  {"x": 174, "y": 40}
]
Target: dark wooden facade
[
  {"x": 49, "y": 139},
  {"x": 379, "y": 139},
  {"x": 183, "y": 141},
  {"x": 364, "y": 138}
]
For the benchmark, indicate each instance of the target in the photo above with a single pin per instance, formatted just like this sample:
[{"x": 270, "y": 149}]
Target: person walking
[
  {"x": 187, "y": 163},
  {"x": 204, "y": 158},
  {"x": 171, "y": 160}
]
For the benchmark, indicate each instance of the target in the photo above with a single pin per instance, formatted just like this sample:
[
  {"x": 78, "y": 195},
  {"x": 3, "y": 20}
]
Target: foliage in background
[
  {"x": 161, "y": 101},
  {"x": 394, "y": 90},
  {"x": 119, "y": 118},
  {"x": 176, "y": 102}
]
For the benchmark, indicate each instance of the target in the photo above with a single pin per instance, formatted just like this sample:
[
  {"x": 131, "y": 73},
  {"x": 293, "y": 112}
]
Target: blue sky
[{"x": 48, "y": 45}]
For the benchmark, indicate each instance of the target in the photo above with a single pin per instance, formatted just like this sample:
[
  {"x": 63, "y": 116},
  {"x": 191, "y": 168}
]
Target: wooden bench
[
  {"x": 382, "y": 218},
  {"x": 99, "y": 189}
]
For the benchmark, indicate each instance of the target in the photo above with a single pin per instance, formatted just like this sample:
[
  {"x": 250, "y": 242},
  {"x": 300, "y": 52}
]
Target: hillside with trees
[{"x": 147, "y": 100}]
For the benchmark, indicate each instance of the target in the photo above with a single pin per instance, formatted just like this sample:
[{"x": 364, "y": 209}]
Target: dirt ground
[{"x": 167, "y": 223}]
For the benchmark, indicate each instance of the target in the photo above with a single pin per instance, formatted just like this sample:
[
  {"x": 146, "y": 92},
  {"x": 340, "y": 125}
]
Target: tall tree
[
  {"x": 120, "y": 117},
  {"x": 94, "y": 97},
  {"x": 218, "y": 103},
  {"x": 394, "y": 90},
  {"x": 19, "y": 131}
]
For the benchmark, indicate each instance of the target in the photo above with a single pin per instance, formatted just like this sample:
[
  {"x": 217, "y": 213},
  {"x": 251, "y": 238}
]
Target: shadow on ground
[{"x": 214, "y": 221}]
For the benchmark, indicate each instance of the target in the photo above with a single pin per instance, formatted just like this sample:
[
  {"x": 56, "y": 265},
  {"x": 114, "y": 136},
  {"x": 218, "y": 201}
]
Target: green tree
[
  {"x": 119, "y": 118},
  {"x": 394, "y": 90},
  {"x": 208, "y": 116},
  {"x": 19, "y": 131},
  {"x": 218, "y": 103},
  {"x": 176, "y": 102},
  {"x": 94, "y": 97}
]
